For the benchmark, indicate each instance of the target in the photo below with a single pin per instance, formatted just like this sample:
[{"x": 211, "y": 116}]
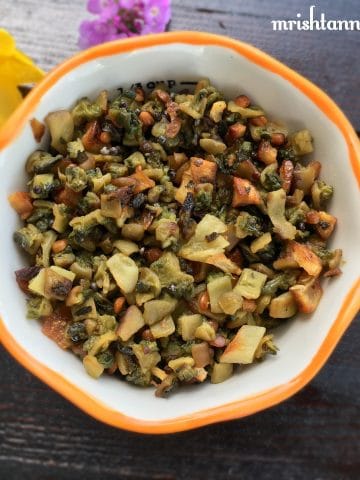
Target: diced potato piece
[
  {"x": 230, "y": 302},
  {"x": 261, "y": 242},
  {"x": 164, "y": 328},
  {"x": 276, "y": 211},
  {"x": 151, "y": 281},
  {"x": 61, "y": 126},
  {"x": 212, "y": 146},
  {"x": 262, "y": 303},
  {"x": 301, "y": 142},
  {"x": 307, "y": 296},
  {"x": 221, "y": 261},
  {"x": 202, "y": 354},
  {"x": 187, "y": 325},
  {"x": 127, "y": 247},
  {"x": 156, "y": 310},
  {"x": 181, "y": 362},
  {"x": 209, "y": 224},
  {"x": 124, "y": 270},
  {"x": 147, "y": 359},
  {"x": 244, "y": 112},
  {"x": 198, "y": 248},
  {"x": 57, "y": 286},
  {"x": 205, "y": 332},
  {"x": 245, "y": 193},
  {"x": 283, "y": 306},
  {"x": 187, "y": 186},
  {"x": 306, "y": 258},
  {"x": 244, "y": 345},
  {"x": 130, "y": 323},
  {"x": 216, "y": 111},
  {"x": 221, "y": 372},
  {"x": 202, "y": 171},
  {"x": 267, "y": 153},
  {"x": 216, "y": 288},
  {"x": 159, "y": 373},
  {"x": 326, "y": 225},
  {"x": 37, "y": 284},
  {"x": 92, "y": 366},
  {"x": 63, "y": 272},
  {"x": 304, "y": 176},
  {"x": 250, "y": 283}
]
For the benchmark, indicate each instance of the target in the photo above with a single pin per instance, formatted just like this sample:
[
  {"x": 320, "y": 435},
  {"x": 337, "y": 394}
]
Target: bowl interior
[{"x": 180, "y": 65}]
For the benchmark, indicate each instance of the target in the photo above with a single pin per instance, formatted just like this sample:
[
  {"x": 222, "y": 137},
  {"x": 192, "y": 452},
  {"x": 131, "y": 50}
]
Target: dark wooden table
[{"x": 315, "y": 434}]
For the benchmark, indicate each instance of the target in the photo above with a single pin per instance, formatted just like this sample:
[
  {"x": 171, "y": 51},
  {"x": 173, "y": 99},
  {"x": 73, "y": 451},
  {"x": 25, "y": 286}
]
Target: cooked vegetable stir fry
[{"x": 169, "y": 233}]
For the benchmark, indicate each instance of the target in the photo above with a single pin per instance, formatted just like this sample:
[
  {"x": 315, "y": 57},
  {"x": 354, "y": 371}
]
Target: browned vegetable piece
[
  {"x": 306, "y": 258},
  {"x": 283, "y": 306},
  {"x": 242, "y": 101},
  {"x": 266, "y": 153},
  {"x": 326, "y": 225},
  {"x": 276, "y": 211},
  {"x": 37, "y": 128},
  {"x": 286, "y": 173},
  {"x": 21, "y": 202},
  {"x": 24, "y": 275},
  {"x": 57, "y": 287},
  {"x": 235, "y": 131},
  {"x": 55, "y": 327},
  {"x": 259, "y": 121},
  {"x": 202, "y": 171},
  {"x": 202, "y": 354},
  {"x": 90, "y": 139},
  {"x": 221, "y": 261},
  {"x": 304, "y": 177},
  {"x": 68, "y": 196},
  {"x": 248, "y": 170},
  {"x": 143, "y": 182},
  {"x": 244, "y": 193},
  {"x": 307, "y": 296},
  {"x": 146, "y": 119}
]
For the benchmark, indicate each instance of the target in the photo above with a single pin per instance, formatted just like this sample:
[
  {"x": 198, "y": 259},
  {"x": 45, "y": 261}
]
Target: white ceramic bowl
[{"x": 305, "y": 343}]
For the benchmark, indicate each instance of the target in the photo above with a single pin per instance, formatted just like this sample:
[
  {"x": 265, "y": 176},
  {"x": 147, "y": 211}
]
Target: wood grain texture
[{"x": 314, "y": 435}]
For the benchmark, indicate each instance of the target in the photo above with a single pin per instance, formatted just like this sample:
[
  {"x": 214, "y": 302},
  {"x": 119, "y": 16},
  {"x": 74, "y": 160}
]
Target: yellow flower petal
[
  {"x": 10, "y": 98},
  {"x": 19, "y": 72},
  {"x": 7, "y": 43},
  {"x": 15, "y": 69}
]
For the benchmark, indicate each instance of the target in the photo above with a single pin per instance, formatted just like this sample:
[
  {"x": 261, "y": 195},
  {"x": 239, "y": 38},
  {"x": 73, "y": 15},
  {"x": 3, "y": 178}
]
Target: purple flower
[{"x": 123, "y": 18}]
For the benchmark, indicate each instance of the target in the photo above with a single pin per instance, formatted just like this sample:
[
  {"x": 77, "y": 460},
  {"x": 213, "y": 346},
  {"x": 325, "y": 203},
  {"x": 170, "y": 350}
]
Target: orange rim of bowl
[{"x": 350, "y": 305}]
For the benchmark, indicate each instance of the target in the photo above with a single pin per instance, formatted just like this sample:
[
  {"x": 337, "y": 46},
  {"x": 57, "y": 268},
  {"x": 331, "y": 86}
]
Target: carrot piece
[
  {"x": 118, "y": 304},
  {"x": 202, "y": 171},
  {"x": 204, "y": 301},
  {"x": 59, "y": 245},
  {"x": 21, "y": 203},
  {"x": 244, "y": 193},
  {"x": 146, "y": 119}
]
